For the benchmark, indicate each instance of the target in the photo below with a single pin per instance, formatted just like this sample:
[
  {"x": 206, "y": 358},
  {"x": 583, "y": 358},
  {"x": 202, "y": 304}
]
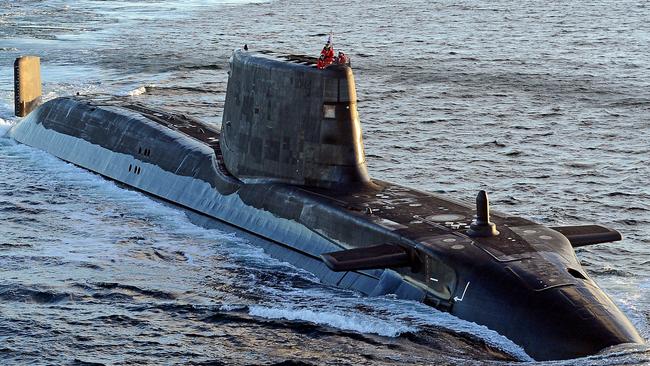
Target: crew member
[
  {"x": 326, "y": 55},
  {"x": 342, "y": 59}
]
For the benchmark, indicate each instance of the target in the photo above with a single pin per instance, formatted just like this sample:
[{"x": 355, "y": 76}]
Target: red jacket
[
  {"x": 326, "y": 57},
  {"x": 328, "y": 53}
]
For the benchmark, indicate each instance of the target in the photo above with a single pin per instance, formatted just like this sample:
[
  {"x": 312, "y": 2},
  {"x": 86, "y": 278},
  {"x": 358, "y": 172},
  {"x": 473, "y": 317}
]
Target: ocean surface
[{"x": 546, "y": 105}]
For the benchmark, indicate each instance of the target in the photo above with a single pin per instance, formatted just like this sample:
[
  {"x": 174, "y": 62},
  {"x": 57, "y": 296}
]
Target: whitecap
[
  {"x": 4, "y": 126},
  {"x": 137, "y": 91},
  {"x": 349, "y": 321}
]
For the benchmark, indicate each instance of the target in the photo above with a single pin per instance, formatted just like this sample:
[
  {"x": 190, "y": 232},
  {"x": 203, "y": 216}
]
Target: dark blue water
[{"x": 545, "y": 105}]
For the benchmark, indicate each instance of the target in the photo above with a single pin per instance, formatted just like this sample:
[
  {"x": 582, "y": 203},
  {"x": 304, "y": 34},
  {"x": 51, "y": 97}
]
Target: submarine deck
[
  {"x": 196, "y": 129},
  {"x": 414, "y": 214},
  {"x": 436, "y": 224},
  {"x": 188, "y": 126}
]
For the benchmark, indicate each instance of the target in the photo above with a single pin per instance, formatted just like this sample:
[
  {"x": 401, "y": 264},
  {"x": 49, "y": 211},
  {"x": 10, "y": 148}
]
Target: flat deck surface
[
  {"x": 411, "y": 213},
  {"x": 189, "y": 126}
]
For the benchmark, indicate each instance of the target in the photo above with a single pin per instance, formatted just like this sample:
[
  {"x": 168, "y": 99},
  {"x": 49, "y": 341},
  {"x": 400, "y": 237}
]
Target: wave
[
  {"x": 137, "y": 91},
  {"x": 156, "y": 294},
  {"x": 6, "y": 114},
  {"x": 21, "y": 293},
  {"x": 4, "y": 127},
  {"x": 383, "y": 316},
  {"x": 345, "y": 321}
]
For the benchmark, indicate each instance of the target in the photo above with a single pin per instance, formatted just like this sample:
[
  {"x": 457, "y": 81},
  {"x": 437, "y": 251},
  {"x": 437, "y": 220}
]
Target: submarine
[{"x": 288, "y": 166}]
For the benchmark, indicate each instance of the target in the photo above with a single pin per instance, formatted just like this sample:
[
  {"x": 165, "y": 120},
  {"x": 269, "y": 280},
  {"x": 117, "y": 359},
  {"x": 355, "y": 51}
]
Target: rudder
[{"x": 27, "y": 85}]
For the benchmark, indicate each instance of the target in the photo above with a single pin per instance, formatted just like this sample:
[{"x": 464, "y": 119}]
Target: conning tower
[{"x": 290, "y": 122}]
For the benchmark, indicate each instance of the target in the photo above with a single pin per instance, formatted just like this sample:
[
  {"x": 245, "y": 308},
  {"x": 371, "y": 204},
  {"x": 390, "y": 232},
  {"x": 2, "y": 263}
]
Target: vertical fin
[{"x": 27, "y": 84}]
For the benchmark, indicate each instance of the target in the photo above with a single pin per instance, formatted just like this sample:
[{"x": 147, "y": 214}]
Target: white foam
[
  {"x": 137, "y": 91},
  {"x": 341, "y": 320},
  {"x": 6, "y": 112},
  {"x": 386, "y": 316},
  {"x": 49, "y": 96},
  {"x": 423, "y": 315},
  {"x": 632, "y": 300},
  {"x": 140, "y": 90},
  {"x": 4, "y": 126},
  {"x": 232, "y": 307}
]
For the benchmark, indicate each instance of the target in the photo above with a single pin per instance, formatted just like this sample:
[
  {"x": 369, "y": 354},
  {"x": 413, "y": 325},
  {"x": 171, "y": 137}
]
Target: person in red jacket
[
  {"x": 342, "y": 59},
  {"x": 326, "y": 55}
]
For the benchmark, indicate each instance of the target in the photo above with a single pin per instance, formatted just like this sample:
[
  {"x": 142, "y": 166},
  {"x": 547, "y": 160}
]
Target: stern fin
[{"x": 27, "y": 85}]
